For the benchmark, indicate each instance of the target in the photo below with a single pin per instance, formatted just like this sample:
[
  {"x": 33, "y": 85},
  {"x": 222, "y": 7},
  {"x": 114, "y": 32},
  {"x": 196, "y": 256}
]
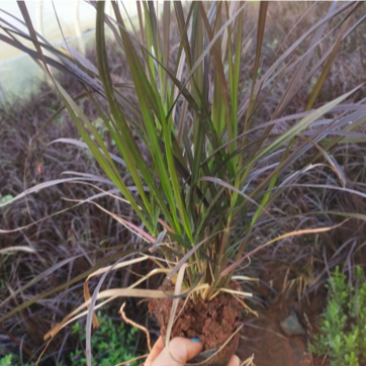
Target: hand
[{"x": 182, "y": 350}]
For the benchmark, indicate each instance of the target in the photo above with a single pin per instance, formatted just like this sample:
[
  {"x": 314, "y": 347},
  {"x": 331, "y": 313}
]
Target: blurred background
[{"x": 18, "y": 72}]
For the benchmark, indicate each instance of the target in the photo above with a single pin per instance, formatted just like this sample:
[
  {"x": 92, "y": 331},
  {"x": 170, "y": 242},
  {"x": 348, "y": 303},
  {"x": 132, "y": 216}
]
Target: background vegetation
[{"x": 343, "y": 323}]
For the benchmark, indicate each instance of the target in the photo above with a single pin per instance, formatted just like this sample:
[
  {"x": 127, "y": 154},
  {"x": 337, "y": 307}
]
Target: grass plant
[{"x": 206, "y": 158}]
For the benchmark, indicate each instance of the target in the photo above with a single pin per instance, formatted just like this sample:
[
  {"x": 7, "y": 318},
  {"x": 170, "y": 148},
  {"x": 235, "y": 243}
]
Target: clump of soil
[{"x": 212, "y": 322}]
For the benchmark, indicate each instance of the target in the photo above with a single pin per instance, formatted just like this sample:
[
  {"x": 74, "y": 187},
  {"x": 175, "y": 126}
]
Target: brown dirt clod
[{"x": 212, "y": 322}]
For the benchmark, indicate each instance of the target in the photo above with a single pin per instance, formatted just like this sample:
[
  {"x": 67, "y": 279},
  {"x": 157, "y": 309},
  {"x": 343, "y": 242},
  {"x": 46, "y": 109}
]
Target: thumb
[{"x": 178, "y": 352}]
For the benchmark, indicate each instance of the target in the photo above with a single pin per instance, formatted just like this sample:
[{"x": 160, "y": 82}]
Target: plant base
[{"x": 212, "y": 322}]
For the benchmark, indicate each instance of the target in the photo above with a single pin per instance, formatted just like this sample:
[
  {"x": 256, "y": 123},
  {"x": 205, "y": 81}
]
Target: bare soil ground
[{"x": 264, "y": 337}]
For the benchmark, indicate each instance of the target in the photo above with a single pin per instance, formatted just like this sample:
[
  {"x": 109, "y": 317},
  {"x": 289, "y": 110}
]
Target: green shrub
[
  {"x": 343, "y": 323},
  {"x": 12, "y": 360},
  {"x": 111, "y": 344}
]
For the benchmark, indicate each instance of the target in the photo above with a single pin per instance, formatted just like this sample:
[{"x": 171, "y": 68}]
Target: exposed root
[
  {"x": 132, "y": 360},
  {"x": 129, "y": 321},
  {"x": 248, "y": 362},
  {"x": 246, "y": 307}
]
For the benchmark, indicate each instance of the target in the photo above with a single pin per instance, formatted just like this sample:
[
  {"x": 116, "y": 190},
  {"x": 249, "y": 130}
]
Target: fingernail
[{"x": 197, "y": 340}]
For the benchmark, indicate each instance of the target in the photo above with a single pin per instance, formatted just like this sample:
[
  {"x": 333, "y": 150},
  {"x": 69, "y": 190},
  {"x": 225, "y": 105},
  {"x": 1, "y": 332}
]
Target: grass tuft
[{"x": 209, "y": 137}]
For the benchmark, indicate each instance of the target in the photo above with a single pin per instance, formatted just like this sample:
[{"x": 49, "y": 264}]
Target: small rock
[{"x": 291, "y": 325}]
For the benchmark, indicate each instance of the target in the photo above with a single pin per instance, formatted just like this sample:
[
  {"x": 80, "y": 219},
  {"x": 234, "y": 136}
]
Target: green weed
[
  {"x": 111, "y": 344},
  {"x": 343, "y": 323},
  {"x": 12, "y": 360}
]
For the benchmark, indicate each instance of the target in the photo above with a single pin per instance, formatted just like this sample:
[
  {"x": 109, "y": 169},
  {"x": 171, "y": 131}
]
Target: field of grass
[{"x": 40, "y": 285}]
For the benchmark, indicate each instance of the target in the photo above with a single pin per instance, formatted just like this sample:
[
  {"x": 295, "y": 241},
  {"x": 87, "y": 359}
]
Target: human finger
[
  {"x": 234, "y": 361},
  {"x": 179, "y": 351},
  {"x": 155, "y": 352}
]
